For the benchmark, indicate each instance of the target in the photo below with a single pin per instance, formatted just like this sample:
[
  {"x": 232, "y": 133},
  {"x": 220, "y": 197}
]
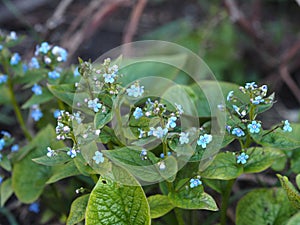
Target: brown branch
[
  {"x": 57, "y": 17},
  {"x": 131, "y": 27},
  {"x": 284, "y": 73}
]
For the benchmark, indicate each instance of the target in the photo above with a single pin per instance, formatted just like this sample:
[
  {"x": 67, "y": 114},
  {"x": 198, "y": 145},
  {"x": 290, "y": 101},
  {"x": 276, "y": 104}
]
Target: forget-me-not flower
[
  {"x": 238, "y": 132},
  {"x": 254, "y": 127},
  {"x": 141, "y": 132},
  {"x": 94, "y": 104},
  {"x": 76, "y": 72},
  {"x": 2, "y": 143},
  {"x": 61, "y": 53},
  {"x": 287, "y": 127},
  {"x": 184, "y": 138},
  {"x": 50, "y": 152},
  {"x": 204, "y": 140},
  {"x": 53, "y": 74},
  {"x": 135, "y": 90},
  {"x": 15, "y": 59},
  {"x": 257, "y": 100},
  {"x": 138, "y": 113},
  {"x": 14, "y": 148},
  {"x": 242, "y": 158},
  {"x": 171, "y": 122},
  {"x": 56, "y": 113},
  {"x": 3, "y": 78},
  {"x": 72, "y": 153},
  {"x": 229, "y": 95},
  {"x": 195, "y": 182},
  {"x": 34, "y": 207},
  {"x": 37, "y": 89},
  {"x": 251, "y": 85},
  {"x": 34, "y": 63},
  {"x": 36, "y": 113},
  {"x": 98, "y": 157},
  {"x": 109, "y": 77},
  {"x": 44, "y": 48}
]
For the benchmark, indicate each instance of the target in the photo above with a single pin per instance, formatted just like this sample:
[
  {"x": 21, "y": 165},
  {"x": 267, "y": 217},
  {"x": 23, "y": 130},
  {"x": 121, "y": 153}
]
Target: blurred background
[
  {"x": 241, "y": 41},
  {"x": 253, "y": 40}
]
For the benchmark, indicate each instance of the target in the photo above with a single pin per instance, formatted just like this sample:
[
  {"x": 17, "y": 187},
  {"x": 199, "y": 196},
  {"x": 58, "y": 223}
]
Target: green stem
[
  {"x": 225, "y": 201},
  {"x": 179, "y": 216},
  {"x": 10, "y": 217},
  {"x": 15, "y": 103}
]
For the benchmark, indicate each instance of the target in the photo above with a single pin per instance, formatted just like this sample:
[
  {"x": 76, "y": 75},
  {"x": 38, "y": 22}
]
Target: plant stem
[
  {"x": 225, "y": 201},
  {"x": 14, "y": 101},
  {"x": 10, "y": 217},
  {"x": 179, "y": 216}
]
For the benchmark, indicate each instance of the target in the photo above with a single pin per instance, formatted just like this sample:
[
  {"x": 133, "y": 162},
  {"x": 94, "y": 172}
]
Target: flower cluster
[{"x": 195, "y": 182}]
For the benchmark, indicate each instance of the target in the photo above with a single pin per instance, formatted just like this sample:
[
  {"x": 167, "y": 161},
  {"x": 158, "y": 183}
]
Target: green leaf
[
  {"x": 59, "y": 158},
  {"x": 28, "y": 177},
  {"x": 64, "y": 92},
  {"x": 60, "y": 172},
  {"x": 132, "y": 161},
  {"x": 261, "y": 159},
  {"x": 298, "y": 181},
  {"x": 295, "y": 159},
  {"x": 292, "y": 194},
  {"x": 114, "y": 203},
  {"x": 159, "y": 205},
  {"x": 264, "y": 206},
  {"x": 38, "y": 99},
  {"x": 6, "y": 191},
  {"x": 78, "y": 208},
  {"x": 102, "y": 119},
  {"x": 192, "y": 198},
  {"x": 223, "y": 167},
  {"x": 279, "y": 139},
  {"x": 5, "y": 163},
  {"x": 294, "y": 220},
  {"x": 83, "y": 166}
]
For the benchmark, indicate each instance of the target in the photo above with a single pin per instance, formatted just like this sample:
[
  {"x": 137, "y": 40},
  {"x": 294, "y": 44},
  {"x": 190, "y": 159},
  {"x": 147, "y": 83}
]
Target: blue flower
[
  {"x": 184, "y": 138},
  {"x": 50, "y": 152},
  {"x": 94, "y": 104},
  {"x": 141, "y": 133},
  {"x": 56, "y": 113},
  {"x": 36, "y": 89},
  {"x": 15, "y": 59},
  {"x": 109, "y": 77},
  {"x": 24, "y": 67},
  {"x": 44, "y": 48},
  {"x": 72, "y": 153},
  {"x": 159, "y": 132},
  {"x": 143, "y": 154},
  {"x": 254, "y": 127},
  {"x": 36, "y": 113},
  {"x": 1, "y": 47},
  {"x": 76, "y": 72},
  {"x": 13, "y": 35},
  {"x": 135, "y": 90},
  {"x": 242, "y": 158},
  {"x": 34, "y": 63},
  {"x": 1, "y": 178},
  {"x": 171, "y": 122},
  {"x": 14, "y": 148},
  {"x": 162, "y": 155},
  {"x": 6, "y": 134},
  {"x": 3, "y": 78},
  {"x": 287, "y": 127},
  {"x": 34, "y": 207},
  {"x": 179, "y": 108},
  {"x": 138, "y": 113},
  {"x": 98, "y": 157},
  {"x": 53, "y": 74},
  {"x": 257, "y": 100},
  {"x": 195, "y": 182},
  {"x": 229, "y": 96},
  {"x": 251, "y": 85},
  {"x": 2, "y": 143},
  {"x": 61, "y": 53},
  {"x": 204, "y": 140},
  {"x": 238, "y": 132}
]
